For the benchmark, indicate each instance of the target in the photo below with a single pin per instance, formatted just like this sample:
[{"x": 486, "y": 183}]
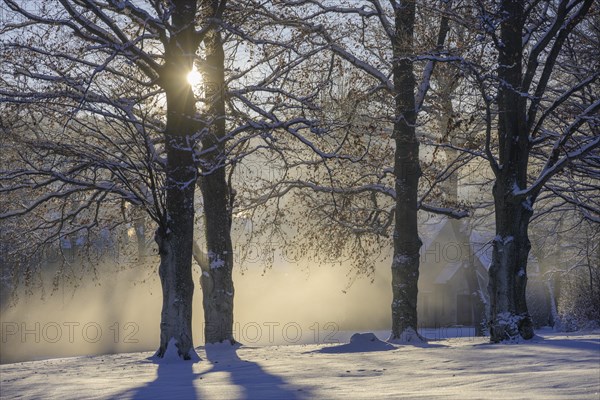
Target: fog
[
  {"x": 289, "y": 303},
  {"x": 120, "y": 311}
]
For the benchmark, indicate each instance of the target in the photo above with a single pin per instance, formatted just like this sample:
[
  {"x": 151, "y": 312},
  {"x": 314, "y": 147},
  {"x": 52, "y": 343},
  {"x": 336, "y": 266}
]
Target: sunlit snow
[{"x": 551, "y": 366}]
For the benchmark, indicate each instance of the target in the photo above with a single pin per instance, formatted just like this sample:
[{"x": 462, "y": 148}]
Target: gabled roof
[
  {"x": 448, "y": 272},
  {"x": 446, "y": 228},
  {"x": 481, "y": 245}
]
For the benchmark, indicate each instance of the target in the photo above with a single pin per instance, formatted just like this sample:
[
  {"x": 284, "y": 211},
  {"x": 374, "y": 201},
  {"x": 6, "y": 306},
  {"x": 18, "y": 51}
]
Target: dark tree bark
[
  {"x": 508, "y": 275},
  {"x": 217, "y": 282},
  {"x": 517, "y": 126},
  {"x": 405, "y": 265},
  {"x": 176, "y": 232}
]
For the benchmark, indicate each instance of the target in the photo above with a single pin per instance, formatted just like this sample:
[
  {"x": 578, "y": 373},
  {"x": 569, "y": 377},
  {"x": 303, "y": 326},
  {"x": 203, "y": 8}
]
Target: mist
[
  {"x": 289, "y": 303},
  {"x": 120, "y": 310}
]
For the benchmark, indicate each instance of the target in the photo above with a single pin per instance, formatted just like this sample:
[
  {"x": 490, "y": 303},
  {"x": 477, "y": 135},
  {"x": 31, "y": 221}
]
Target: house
[{"x": 453, "y": 277}]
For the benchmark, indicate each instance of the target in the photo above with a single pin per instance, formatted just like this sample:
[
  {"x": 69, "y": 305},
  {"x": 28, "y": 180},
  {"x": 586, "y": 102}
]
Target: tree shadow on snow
[
  {"x": 575, "y": 343},
  {"x": 253, "y": 381},
  {"x": 351, "y": 348},
  {"x": 591, "y": 344},
  {"x": 426, "y": 343},
  {"x": 174, "y": 380}
]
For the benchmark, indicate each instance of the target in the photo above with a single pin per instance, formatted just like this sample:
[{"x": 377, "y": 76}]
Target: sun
[{"x": 194, "y": 77}]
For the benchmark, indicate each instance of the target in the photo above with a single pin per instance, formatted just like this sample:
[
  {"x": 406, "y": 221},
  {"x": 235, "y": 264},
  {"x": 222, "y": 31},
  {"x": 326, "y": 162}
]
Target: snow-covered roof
[
  {"x": 448, "y": 272},
  {"x": 429, "y": 231},
  {"x": 481, "y": 245}
]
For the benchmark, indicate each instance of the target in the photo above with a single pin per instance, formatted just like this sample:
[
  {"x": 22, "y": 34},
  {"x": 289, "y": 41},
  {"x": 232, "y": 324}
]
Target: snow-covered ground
[{"x": 551, "y": 366}]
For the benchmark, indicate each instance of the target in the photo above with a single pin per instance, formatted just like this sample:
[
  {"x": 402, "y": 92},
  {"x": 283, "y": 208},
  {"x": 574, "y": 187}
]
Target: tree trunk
[
  {"x": 477, "y": 305},
  {"x": 177, "y": 290},
  {"x": 175, "y": 240},
  {"x": 176, "y": 229},
  {"x": 509, "y": 317},
  {"x": 405, "y": 265},
  {"x": 140, "y": 234},
  {"x": 448, "y": 82},
  {"x": 508, "y": 273},
  {"x": 552, "y": 300},
  {"x": 217, "y": 281}
]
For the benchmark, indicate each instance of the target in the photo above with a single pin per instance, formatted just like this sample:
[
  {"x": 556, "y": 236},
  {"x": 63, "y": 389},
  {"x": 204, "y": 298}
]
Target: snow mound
[
  {"x": 222, "y": 352},
  {"x": 365, "y": 339},
  {"x": 360, "y": 343},
  {"x": 172, "y": 354},
  {"x": 409, "y": 336}
]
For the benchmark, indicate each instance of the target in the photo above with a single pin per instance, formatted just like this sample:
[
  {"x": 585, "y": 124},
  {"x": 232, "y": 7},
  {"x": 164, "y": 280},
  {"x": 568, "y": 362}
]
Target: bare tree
[
  {"x": 149, "y": 49},
  {"x": 544, "y": 123},
  {"x": 370, "y": 115},
  {"x": 122, "y": 81}
]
